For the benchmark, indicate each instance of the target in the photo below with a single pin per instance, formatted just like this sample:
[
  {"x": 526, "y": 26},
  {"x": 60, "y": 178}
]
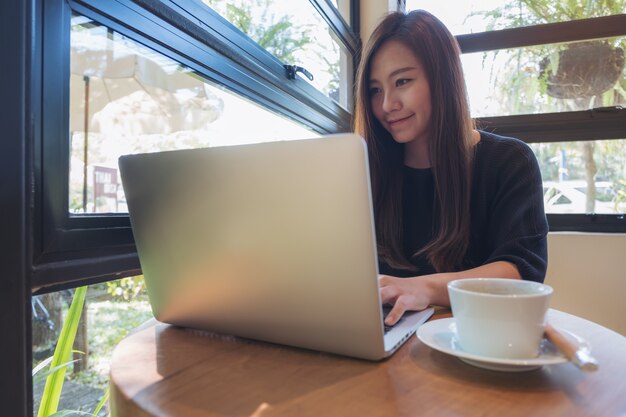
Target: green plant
[
  {"x": 257, "y": 20},
  {"x": 523, "y": 81},
  {"x": 283, "y": 36},
  {"x": 59, "y": 362},
  {"x": 620, "y": 193},
  {"x": 562, "y": 77},
  {"x": 126, "y": 288}
]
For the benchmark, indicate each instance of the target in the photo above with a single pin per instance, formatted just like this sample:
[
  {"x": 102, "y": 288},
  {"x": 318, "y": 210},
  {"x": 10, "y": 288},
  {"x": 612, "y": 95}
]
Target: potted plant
[{"x": 582, "y": 69}]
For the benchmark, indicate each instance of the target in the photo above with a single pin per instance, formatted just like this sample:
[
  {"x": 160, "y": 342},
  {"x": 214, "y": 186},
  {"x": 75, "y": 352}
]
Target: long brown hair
[{"x": 450, "y": 142}]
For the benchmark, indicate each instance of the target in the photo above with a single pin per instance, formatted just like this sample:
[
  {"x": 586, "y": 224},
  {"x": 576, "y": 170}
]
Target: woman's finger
[
  {"x": 396, "y": 312},
  {"x": 388, "y": 295}
]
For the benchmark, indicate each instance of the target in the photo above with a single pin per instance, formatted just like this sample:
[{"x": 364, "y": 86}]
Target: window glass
[
  {"x": 125, "y": 98},
  {"x": 110, "y": 311},
  {"x": 583, "y": 177},
  {"x": 562, "y": 200},
  {"x": 547, "y": 78},
  {"x": 473, "y": 16},
  {"x": 296, "y": 34},
  {"x": 344, "y": 8}
]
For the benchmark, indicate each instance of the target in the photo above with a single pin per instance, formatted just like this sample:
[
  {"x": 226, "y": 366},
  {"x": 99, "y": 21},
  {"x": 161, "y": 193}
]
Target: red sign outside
[{"x": 105, "y": 188}]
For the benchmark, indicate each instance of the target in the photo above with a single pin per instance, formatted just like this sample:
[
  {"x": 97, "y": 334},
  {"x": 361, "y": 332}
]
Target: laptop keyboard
[{"x": 386, "y": 310}]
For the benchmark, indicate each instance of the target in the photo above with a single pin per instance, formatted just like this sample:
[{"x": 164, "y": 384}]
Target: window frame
[
  {"x": 16, "y": 40},
  {"x": 559, "y": 32},
  {"x": 45, "y": 248},
  {"x": 71, "y": 250},
  {"x": 594, "y": 124}
]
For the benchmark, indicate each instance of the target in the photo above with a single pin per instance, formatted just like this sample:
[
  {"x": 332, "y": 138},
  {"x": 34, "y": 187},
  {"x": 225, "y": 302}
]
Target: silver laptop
[{"x": 272, "y": 241}]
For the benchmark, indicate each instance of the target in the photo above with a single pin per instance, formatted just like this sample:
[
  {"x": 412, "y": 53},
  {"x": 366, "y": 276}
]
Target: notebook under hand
[{"x": 272, "y": 241}]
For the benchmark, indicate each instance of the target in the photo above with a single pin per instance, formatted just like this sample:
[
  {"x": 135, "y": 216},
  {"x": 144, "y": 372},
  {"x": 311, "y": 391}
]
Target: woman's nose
[{"x": 390, "y": 102}]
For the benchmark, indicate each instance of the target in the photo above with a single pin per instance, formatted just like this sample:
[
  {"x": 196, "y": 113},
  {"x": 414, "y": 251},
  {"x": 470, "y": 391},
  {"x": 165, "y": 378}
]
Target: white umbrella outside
[{"x": 123, "y": 91}]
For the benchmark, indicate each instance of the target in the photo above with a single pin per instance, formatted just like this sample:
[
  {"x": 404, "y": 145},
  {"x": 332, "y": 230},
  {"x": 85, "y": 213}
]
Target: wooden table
[{"x": 163, "y": 370}]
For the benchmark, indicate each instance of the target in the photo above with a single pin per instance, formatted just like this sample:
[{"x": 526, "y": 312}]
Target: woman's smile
[{"x": 399, "y": 122}]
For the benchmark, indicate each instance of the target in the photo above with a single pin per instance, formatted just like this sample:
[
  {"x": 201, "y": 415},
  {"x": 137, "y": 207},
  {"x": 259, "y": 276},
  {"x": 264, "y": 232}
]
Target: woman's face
[{"x": 399, "y": 92}]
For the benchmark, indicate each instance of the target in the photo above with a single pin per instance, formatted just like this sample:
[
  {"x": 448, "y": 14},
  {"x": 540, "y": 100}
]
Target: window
[
  {"x": 109, "y": 78},
  {"x": 143, "y": 76},
  {"x": 547, "y": 78},
  {"x": 552, "y": 74},
  {"x": 126, "y": 98},
  {"x": 110, "y": 311},
  {"x": 345, "y": 8},
  {"x": 475, "y": 16},
  {"x": 296, "y": 34}
]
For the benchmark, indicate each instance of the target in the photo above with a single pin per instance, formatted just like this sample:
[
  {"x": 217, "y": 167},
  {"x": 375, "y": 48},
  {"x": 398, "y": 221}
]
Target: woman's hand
[
  {"x": 417, "y": 293},
  {"x": 405, "y": 294}
]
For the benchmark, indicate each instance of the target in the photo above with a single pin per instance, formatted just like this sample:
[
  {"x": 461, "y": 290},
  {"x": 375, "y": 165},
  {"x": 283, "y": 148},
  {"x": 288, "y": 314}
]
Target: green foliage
[
  {"x": 620, "y": 192},
  {"x": 534, "y": 12},
  {"x": 68, "y": 413},
  {"x": 40, "y": 376},
  {"x": 239, "y": 16},
  {"x": 64, "y": 413},
  {"x": 282, "y": 40},
  {"x": 37, "y": 375},
  {"x": 521, "y": 84},
  {"x": 278, "y": 36},
  {"x": 110, "y": 321},
  {"x": 60, "y": 359},
  {"x": 113, "y": 321},
  {"x": 101, "y": 404},
  {"x": 610, "y": 156},
  {"x": 519, "y": 81},
  {"x": 126, "y": 289}
]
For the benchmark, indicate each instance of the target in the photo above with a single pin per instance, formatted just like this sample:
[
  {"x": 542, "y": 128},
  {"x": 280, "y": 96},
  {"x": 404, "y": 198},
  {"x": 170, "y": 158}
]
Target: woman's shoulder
[
  {"x": 493, "y": 146},
  {"x": 500, "y": 158}
]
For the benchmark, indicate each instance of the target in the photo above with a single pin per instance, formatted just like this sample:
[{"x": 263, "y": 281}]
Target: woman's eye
[
  {"x": 402, "y": 81},
  {"x": 374, "y": 91}
]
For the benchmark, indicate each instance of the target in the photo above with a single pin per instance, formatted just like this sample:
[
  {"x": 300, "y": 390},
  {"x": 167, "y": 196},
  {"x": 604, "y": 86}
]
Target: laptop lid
[{"x": 272, "y": 241}]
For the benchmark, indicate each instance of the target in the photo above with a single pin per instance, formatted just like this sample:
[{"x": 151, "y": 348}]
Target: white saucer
[{"x": 441, "y": 335}]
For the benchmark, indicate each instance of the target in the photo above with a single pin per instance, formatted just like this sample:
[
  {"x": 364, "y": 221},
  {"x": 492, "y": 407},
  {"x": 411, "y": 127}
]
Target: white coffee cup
[{"x": 498, "y": 317}]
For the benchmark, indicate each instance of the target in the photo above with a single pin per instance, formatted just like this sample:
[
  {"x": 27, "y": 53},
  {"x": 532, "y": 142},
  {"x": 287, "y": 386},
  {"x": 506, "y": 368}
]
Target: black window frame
[
  {"x": 71, "y": 250},
  {"x": 15, "y": 208},
  {"x": 602, "y": 123},
  {"x": 43, "y": 248}
]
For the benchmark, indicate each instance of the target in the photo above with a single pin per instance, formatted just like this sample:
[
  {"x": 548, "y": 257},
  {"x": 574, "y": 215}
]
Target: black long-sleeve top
[{"x": 507, "y": 222}]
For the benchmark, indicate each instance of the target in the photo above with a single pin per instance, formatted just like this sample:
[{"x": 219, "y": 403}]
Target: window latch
[
  {"x": 609, "y": 109},
  {"x": 293, "y": 69}
]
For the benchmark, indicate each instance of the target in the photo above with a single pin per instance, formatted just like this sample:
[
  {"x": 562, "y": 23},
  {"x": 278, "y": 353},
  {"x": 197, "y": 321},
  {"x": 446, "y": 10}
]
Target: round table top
[{"x": 163, "y": 370}]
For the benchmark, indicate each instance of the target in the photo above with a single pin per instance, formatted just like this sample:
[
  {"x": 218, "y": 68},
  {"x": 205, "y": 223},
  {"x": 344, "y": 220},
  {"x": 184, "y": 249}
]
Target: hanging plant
[{"x": 583, "y": 69}]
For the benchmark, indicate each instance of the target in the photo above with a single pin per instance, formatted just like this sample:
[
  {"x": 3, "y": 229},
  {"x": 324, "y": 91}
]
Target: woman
[{"x": 450, "y": 202}]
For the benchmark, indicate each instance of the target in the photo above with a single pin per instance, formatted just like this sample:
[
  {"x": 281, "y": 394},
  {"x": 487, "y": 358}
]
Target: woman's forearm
[
  {"x": 419, "y": 292},
  {"x": 438, "y": 283}
]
